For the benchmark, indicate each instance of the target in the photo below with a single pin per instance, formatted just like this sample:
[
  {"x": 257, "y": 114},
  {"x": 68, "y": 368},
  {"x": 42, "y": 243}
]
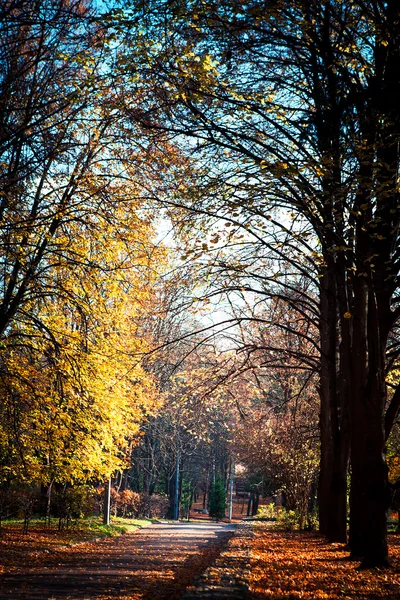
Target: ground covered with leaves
[
  {"x": 42, "y": 539},
  {"x": 159, "y": 561},
  {"x": 287, "y": 566}
]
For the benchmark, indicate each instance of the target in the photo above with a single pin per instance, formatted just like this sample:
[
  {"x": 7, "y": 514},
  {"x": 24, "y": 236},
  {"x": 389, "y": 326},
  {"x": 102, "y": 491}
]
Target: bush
[
  {"x": 8, "y": 503},
  {"x": 151, "y": 507},
  {"x": 129, "y": 503},
  {"x": 288, "y": 520},
  {"x": 132, "y": 505},
  {"x": 114, "y": 501},
  {"x": 267, "y": 512},
  {"x": 312, "y": 520},
  {"x": 27, "y": 500},
  {"x": 72, "y": 503}
]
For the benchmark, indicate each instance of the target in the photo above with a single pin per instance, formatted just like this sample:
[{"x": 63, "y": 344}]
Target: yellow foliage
[{"x": 74, "y": 392}]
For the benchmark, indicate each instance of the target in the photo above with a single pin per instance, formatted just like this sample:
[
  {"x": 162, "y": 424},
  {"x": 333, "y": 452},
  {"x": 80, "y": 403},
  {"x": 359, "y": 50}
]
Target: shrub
[
  {"x": 288, "y": 520},
  {"x": 27, "y": 500},
  {"x": 72, "y": 503},
  {"x": 267, "y": 512},
  {"x": 128, "y": 503},
  {"x": 8, "y": 503},
  {"x": 154, "y": 506}
]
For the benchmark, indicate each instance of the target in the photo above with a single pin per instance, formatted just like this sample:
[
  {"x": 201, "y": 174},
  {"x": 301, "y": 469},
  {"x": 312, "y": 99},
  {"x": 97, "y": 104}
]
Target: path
[{"x": 157, "y": 562}]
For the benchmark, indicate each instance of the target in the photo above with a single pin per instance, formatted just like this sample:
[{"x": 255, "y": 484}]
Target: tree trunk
[
  {"x": 250, "y": 504},
  {"x": 327, "y": 382},
  {"x": 334, "y": 436},
  {"x": 256, "y": 500},
  {"x": 369, "y": 481},
  {"x": 176, "y": 487}
]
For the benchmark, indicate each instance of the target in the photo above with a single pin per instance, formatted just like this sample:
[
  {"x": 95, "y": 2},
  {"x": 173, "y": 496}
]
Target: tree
[
  {"x": 44, "y": 99},
  {"x": 217, "y": 500},
  {"x": 73, "y": 390},
  {"x": 298, "y": 102},
  {"x": 79, "y": 258}
]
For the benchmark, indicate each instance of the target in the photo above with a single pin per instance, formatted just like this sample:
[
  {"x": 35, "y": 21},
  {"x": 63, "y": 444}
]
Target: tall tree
[{"x": 299, "y": 102}]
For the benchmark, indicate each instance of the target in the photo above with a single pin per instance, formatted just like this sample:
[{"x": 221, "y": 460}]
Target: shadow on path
[{"x": 157, "y": 562}]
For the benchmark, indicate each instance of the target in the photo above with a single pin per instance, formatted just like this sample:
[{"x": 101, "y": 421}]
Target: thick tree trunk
[
  {"x": 327, "y": 388},
  {"x": 357, "y": 486},
  {"x": 369, "y": 482},
  {"x": 375, "y": 469},
  {"x": 334, "y": 437},
  {"x": 337, "y": 527}
]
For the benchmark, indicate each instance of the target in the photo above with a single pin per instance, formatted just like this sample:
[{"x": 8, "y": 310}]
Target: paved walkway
[
  {"x": 158, "y": 562},
  {"x": 226, "y": 578}
]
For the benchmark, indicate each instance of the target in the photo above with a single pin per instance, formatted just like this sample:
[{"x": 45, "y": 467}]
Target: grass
[
  {"x": 117, "y": 526},
  {"x": 89, "y": 526}
]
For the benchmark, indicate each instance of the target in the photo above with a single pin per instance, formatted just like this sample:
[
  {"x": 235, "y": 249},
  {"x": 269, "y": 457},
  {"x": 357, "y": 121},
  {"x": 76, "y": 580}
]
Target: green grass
[
  {"x": 84, "y": 529},
  {"x": 117, "y": 526}
]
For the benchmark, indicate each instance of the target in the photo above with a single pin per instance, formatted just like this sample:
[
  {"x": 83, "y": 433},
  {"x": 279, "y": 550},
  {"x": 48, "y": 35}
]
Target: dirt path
[{"x": 157, "y": 562}]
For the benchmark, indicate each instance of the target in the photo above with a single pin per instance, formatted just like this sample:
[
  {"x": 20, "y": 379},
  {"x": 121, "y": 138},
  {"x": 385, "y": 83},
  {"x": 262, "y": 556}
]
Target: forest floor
[
  {"x": 291, "y": 566},
  {"x": 197, "y": 561},
  {"x": 159, "y": 561}
]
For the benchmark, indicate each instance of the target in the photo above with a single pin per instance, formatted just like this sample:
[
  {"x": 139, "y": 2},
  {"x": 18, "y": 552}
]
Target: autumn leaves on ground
[
  {"x": 161, "y": 561},
  {"x": 301, "y": 565}
]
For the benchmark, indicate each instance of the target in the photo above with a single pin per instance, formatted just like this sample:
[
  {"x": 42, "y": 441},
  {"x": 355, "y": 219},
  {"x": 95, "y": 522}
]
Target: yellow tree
[{"x": 74, "y": 390}]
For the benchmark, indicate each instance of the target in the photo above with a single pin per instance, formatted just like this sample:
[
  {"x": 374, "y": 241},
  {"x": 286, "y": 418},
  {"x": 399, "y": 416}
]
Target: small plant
[
  {"x": 288, "y": 520},
  {"x": 72, "y": 503},
  {"x": 267, "y": 513},
  {"x": 312, "y": 520}
]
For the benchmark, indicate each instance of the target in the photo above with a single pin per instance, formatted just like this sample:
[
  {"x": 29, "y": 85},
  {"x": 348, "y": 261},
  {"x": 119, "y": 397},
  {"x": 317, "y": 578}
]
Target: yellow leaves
[
  {"x": 77, "y": 386},
  {"x": 394, "y": 468},
  {"x": 209, "y": 64}
]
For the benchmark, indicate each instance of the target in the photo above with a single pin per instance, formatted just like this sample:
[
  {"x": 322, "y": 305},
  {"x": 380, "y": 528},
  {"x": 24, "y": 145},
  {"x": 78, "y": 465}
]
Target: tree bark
[
  {"x": 334, "y": 429},
  {"x": 369, "y": 482}
]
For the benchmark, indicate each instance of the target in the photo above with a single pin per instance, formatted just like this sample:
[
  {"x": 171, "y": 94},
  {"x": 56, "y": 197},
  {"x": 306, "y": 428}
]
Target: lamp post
[
  {"x": 107, "y": 502},
  {"x": 231, "y": 478}
]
